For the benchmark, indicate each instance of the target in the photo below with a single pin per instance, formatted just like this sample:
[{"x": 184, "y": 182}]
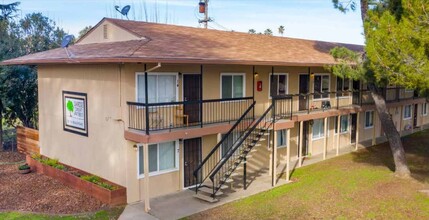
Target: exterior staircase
[{"x": 216, "y": 171}]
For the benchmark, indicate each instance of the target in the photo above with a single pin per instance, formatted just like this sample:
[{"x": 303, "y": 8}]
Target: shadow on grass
[{"x": 416, "y": 148}]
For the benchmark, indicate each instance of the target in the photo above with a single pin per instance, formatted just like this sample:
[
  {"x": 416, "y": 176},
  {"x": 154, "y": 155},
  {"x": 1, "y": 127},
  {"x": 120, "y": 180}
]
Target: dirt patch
[
  {"x": 38, "y": 193},
  {"x": 11, "y": 157}
]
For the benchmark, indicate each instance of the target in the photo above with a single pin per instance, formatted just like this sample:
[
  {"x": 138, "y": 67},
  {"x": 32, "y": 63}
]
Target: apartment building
[{"x": 161, "y": 108}]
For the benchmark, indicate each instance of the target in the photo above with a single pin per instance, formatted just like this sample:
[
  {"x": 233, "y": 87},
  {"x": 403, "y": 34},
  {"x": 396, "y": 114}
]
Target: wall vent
[{"x": 105, "y": 32}]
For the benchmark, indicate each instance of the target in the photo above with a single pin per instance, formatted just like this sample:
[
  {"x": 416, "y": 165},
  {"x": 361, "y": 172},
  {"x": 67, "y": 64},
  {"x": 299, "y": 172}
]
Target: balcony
[
  {"x": 391, "y": 95},
  {"x": 175, "y": 115}
]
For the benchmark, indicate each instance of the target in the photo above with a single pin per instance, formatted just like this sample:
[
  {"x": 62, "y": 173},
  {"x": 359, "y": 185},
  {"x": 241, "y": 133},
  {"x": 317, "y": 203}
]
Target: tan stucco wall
[
  {"x": 114, "y": 33},
  {"x": 103, "y": 151}
]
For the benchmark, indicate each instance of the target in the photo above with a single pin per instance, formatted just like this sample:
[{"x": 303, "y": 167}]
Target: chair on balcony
[{"x": 180, "y": 117}]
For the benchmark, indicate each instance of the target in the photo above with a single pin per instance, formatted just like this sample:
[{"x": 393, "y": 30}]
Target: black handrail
[
  {"x": 198, "y": 170},
  {"x": 237, "y": 145}
]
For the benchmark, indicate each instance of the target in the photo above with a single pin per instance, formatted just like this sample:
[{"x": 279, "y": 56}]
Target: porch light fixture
[
  {"x": 135, "y": 147},
  {"x": 256, "y": 74}
]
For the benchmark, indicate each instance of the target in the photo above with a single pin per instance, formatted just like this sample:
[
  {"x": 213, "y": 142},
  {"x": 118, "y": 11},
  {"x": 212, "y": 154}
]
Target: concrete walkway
[{"x": 182, "y": 204}]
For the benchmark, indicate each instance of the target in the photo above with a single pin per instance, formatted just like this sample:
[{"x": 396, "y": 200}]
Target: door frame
[
  {"x": 183, "y": 91},
  {"x": 182, "y": 164},
  {"x": 308, "y": 87}
]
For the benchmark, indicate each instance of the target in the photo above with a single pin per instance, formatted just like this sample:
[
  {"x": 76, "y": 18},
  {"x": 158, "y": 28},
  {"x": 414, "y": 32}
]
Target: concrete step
[
  {"x": 229, "y": 180},
  {"x": 210, "y": 191},
  {"x": 205, "y": 198}
]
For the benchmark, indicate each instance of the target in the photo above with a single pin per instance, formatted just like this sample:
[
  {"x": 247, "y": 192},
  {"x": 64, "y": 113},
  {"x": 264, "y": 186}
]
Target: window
[
  {"x": 318, "y": 128},
  {"x": 161, "y": 88},
  {"x": 407, "y": 112},
  {"x": 232, "y": 85},
  {"x": 163, "y": 158},
  {"x": 278, "y": 84},
  {"x": 282, "y": 138},
  {"x": 369, "y": 119},
  {"x": 425, "y": 109},
  {"x": 321, "y": 85},
  {"x": 344, "y": 123},
  {"x": 342, "y": 85}
]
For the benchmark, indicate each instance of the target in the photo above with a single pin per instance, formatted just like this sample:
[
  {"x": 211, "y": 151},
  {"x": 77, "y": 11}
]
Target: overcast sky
[{"x": 308, "y": 19}]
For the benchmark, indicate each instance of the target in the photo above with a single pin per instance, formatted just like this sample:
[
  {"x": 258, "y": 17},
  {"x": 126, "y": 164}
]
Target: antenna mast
[{"x": 204, "y": 9}]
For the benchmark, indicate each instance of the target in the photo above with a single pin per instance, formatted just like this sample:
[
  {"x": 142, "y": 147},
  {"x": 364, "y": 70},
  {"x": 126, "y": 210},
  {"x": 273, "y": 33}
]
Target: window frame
[
  {"x": 321, "y": 132},
  {"x": 372, "y": 121},
  {"x": 285, "y": 134},
  {"x": 232, "y": 74},
  {"x": 156, "y": 173},
  {"x": 321, "y": 86},
  {"x": 403, "y": 115},
  {"x": 342, "y": 89},
  {"x": 269, "y": 83},
  {"x": 176, "y": 74},
  {"x": 425, "y": 109},
  {"x": 348, "y": 124}
]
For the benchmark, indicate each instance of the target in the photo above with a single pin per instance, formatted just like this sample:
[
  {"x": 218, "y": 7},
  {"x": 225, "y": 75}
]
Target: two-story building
[{"x": 183, "y": 107}]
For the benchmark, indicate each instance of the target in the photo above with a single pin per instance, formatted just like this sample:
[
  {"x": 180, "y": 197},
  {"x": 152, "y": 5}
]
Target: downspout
[{"x": 154, "y": 68}]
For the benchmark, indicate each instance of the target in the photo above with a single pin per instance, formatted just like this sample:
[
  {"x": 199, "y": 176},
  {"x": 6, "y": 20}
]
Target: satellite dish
[
  {"x": 66, "y": 41},
  {"x": 124, "y": 11}
]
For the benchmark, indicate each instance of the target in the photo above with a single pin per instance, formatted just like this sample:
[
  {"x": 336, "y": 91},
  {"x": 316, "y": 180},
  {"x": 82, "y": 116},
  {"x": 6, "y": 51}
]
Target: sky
[{"x": 307, "y": 19}]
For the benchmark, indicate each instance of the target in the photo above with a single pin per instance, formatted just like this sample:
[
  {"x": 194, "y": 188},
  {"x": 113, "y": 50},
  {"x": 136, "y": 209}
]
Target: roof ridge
[{"x": 117, "y": 22}]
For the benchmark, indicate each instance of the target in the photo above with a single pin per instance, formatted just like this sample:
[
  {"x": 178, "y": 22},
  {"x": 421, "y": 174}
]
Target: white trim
[
  {"x": 278, "y": 74},
  {"x": 156, "y": 173},
  {"x": 329, "y": 86},
  {"x": 287, "y": 141},
  {"x": 312, "y": 130},
  {"x": 157, "y": 73},
  {"x": 372, "y": 126},
  {"x": 233, "y": 74},
  {"x": 411, "y": 113},
  {"x": 348, "y": 124},
  {"x": 425, "y": 113}
]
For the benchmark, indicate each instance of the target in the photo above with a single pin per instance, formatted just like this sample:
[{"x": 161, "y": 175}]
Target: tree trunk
[
  {"x": 1, "y": 130},
  {"x": 392, "y": 135},
  {"x": 363, "y": 9}
]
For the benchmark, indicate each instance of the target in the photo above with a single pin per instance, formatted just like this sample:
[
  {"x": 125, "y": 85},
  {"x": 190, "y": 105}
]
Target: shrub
[
  {"x": 24, "y": 167},
  {"x": 37, "y": 157},
  {"x": 60, "y": 167},
  {"x": 97, "y": 180}
]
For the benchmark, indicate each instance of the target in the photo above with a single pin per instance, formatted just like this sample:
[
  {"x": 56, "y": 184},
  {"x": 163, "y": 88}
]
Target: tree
[
  {"x": 84, "y": 31},
  {"x": 8, "y": 11},
  {"x": 18, "y": 84},
  {"x": 268, "y": 32},
  {"x": 375, "y": 74},
  {"x": 252, "y": 31},
  {"x": 281, "y": 30}
]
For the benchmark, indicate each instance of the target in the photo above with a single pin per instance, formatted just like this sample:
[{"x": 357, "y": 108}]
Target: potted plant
[{"x": 24, "y": 169}]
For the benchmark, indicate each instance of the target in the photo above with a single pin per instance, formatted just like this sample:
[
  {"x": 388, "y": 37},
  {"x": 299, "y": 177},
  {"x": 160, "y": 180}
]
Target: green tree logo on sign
[{"x": 70, "y": 107}]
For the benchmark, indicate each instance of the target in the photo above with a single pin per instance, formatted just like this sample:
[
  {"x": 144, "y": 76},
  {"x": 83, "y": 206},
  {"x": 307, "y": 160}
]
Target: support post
[
  {"x": 288, "y": 155},
  {"x": 325, "y": 132},
  {"x": 357, "y": 130},
  {"x": 301, "y": 137},
  {"x": 274, "y": 175},
  {"x": 338, "y": 134},
  {"x": 245, "y": 173},
  {"x": 374, "y": 131},
  {"x": 146, "y": 177},
  {"x": 201, "y": 95},
  {"x": 146, "y": 90}
]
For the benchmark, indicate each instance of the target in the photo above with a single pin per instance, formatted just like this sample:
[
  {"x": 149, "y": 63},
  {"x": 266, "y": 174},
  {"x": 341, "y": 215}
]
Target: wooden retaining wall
[{"x": 27, "y": 140}]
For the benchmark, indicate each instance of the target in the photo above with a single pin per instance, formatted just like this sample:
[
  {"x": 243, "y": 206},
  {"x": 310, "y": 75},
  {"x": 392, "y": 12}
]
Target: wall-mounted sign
[{"x": 75, "y": 112}]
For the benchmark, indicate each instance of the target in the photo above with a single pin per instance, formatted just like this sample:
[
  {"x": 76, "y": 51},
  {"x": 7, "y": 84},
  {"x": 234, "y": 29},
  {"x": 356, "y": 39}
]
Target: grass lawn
[
  {"x": 360, "y": 185},
  {"x": 101, "y": 215}
]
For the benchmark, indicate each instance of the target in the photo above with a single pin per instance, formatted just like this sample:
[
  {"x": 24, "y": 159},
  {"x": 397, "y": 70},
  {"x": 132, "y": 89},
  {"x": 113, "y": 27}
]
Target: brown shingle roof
[{"x": 178, "y": 44}]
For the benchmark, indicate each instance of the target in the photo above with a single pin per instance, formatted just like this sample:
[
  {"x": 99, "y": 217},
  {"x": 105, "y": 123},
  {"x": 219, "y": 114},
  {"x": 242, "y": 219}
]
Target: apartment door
[
  {"x": 191, "y": 93},
  {"x": 305, "y": 134},
  {"x": 191, "y": 160},
  {"x": 416, "y": 106},
  {"x": 303, "y": 89},
  {"x": 356, "y": 95},
  {"x": 353, "y": 128}
]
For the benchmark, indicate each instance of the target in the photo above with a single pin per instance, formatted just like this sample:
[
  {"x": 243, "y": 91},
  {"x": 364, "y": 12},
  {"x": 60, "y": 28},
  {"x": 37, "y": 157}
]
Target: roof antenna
[
  {"x": 65, "y": 44},
  {"x": 124, "y": 11}
]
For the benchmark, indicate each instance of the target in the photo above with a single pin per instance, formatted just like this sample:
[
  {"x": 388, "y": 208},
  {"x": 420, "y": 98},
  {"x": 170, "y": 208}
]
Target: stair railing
[
  {"x": 241, "y": 148},
  {"x": 212, "y": 160}
]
